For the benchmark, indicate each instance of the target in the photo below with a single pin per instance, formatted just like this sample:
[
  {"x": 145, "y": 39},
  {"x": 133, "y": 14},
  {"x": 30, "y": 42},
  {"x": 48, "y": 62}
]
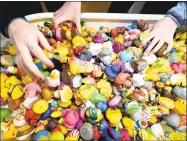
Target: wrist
[{"x": 172, "y": 21}]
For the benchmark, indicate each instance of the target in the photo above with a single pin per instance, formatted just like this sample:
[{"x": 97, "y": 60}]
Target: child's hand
[
  {"x": 69, "y": 11},
  {"x": 161, "y": 32},
  {"x": 27, "y": 39}
]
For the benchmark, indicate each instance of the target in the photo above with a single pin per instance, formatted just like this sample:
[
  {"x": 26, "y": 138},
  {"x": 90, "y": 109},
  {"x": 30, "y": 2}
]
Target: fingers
[
  {"x": 170, "y": 44},
  {"x": 151, "y": 45},
  {"x": 19, "y": 66},
  {"x": 58, "y": 19},
  {"x": 158, "y": 46},
  {"x": 78, "y": 24},
  {"x": 38, "y": 52},
  {"x": 43, "y": 42},
  {"x": 27, "y": 63},
  {"x": 31, "y": 68},
  {"x": 147, "y": 39}
]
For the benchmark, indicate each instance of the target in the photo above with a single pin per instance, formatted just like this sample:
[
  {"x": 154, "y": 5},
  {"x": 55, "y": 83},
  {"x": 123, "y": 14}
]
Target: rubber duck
[
  {"x": 77, "y": 81},
  {"x": 137, "y": 52},
  {"x": 178, "y": 79},
  {"x": 47, "y": 93},
  {"x": 114, "y": 101},
  {"x": 140, "y": 95},
  {"x": 86, "y": 131},
  {"x": 105, "y": 56},
  {"x": 71, "y": 118},
  {"x": 94, "y": 48},
  {"x": 41, "y": 135},
  {"x": 114, "y": 32},
  {"x": 73, "y": 135},
  {"x": 117, "y": 47},
  {"x": 123, "y": 79},
  {"x": 62, "y": 53},
  {"x": 104, "y": 88},
  {"x": 54, "y": 79},
  {"x": 137, "y": 80},
  {"x": 19, "y": 120},
  {"x": 10, "y": 50},
  {"x": 5, "y": 113},
  {"x": 142, "y": 25},
  {"x": 11, "y": 81},
  {"x": 134, "y": 33},
  {"x": 26, "y": 79},
  {"x": 10, "y": 134},
  {"x": 89, "y": 81},
  {"x": 25, "y": 132},
  {"x": 177, "y": 136},
  {"x": 126, "y": 56},
  {"x": 31, "y": 117},
  {"x": 86, "y": 91},
  {"x": 32, "y": 88},
  {"x": 78, "y": 40},
  {"x": 98, "y": 38},
  {"x": 134, "y": 110},
  {"x": 79, "y": 66},
  {"x": 174, "y": 57},
  {"x": 179, "y": 91},
  {"x": 85, "y": 55},
  {"x": 165, "y": 104},
  {"x": 180, "y": 107},
  {"x": 114, "y": 116},
  {"x": 176, "y": 121},
  {"x": 3, "y": 78},
  {"x": 96, "y": 97},
  {"x": 93, "y": 115},
  {"x": 40, "y": 106},
  {"x": 7, "y": 60},
  {"x": 28, "y": 102},
  {"x": 178, "y": 68},
  {"x": 97, "y": 133},
  {"x": 129, "y": 124},
  {"x": 14, "y": 104},
  {"x": 112, "y": 71},
  {"x": 65, "y": 94}
]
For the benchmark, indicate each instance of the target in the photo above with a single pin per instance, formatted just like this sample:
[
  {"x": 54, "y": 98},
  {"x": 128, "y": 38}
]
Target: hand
[
  {"x": 26, "y": 39},
  {"x": 69, "y": 11},
  {"x": 161, "y": 32}
]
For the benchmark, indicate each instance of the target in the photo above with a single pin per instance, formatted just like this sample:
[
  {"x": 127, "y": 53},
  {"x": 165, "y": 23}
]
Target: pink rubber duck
[
  {"x": 178, "y": 68},
  {"x": 71, "y": 118},
  {"x": 32, "y": 89}
]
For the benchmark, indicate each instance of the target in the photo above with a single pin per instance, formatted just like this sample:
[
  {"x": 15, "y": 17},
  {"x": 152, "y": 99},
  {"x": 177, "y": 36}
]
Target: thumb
[
  {"x": 78, "y": 24},
  {"x": 58, "y": 19}
]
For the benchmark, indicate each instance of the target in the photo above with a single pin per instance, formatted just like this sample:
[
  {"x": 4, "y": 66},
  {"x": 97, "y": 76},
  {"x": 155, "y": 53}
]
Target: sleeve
[
  {"x": 178, "y": 13},
  {"x": 11, "y": 10}
]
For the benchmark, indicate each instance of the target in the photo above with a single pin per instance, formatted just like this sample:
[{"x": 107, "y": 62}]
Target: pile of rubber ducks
[{"x": 102, "y": 87}]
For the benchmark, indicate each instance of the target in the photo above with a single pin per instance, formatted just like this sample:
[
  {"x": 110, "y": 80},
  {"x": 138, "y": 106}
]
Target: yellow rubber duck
[
  {"x": 85, "y": 92},
  {"x": 104, "y": 88},
  {"x": 56, "y": 136},
  {"x": 65, "y": 94},
  {"x": 78, "y": 40},
  {"x": 12, "y": 80},
  {"x": 10, "y": 134},
  {"x": 3, "y": 78},
  {"x": 129, "y": 125},
  {"x": 26, "y": 79},
  {"x": 165, "y": 104},
  {"x": 114, "y": 116},
  {"x": 16, "y": 91},
  {"x": 64, "y": 54},
  {"x": 180, "y": 106},
  {"x": 10, "y": 50},
  {"x": 178, "y": 79}
]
